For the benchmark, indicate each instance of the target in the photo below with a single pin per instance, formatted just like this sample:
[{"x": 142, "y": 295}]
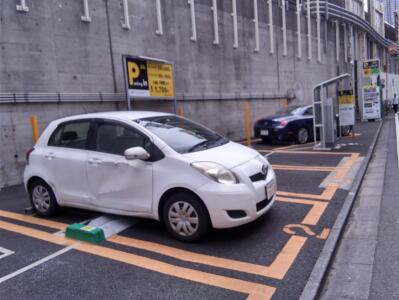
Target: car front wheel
[
  {"x": 302, "y": 136},
  {"x": 185, "y": 217},
  {"x": 42, "y": 198}
]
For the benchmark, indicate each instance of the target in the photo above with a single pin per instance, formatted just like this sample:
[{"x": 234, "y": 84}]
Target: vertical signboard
[
  {"x": 148, "y": 78},
  {"x": 371, "y": 91},
  {"x": 346, "y": 108}
]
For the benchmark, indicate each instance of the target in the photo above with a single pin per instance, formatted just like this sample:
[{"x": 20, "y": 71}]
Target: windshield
[
  {"x": 290, "y": 110},
  {"x": 182, "y": 135}
]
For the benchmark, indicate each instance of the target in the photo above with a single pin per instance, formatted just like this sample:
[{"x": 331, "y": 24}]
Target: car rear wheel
[
  {"x": 302, "y": 136},
  {"x": 43, "y": 199},
  {"x": 185, "y": 217},
  {"x": 345, "y": 130}
]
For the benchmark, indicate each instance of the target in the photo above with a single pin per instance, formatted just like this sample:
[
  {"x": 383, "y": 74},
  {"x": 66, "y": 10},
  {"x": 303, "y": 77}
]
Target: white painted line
[
  {"x": 397, "y": 135},
  {"x": 268, "y": 154},
  {"x": 37, "y": 263},
  {"x": 5, "y": 252}
]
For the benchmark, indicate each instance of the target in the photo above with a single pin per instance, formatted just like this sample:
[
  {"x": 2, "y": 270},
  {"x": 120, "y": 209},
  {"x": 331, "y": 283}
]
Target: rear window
[{"x": 70, "y": 135}]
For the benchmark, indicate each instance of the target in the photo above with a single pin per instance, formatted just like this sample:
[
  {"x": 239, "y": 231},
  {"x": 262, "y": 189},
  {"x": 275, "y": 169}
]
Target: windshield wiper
[
  {"x": 201, "y": 144},
  {"x": 205, "y": 144}
]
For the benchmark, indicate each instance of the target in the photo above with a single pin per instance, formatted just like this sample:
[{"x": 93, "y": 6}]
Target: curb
[{"x": 317, "y": 277}]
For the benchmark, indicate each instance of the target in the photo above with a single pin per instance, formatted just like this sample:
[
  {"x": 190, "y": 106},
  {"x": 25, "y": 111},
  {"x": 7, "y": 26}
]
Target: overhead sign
[
  {"x": 371, "y": 90},
  {"x": 346, "y": 105},
  {"x": 147, "y": 78}
]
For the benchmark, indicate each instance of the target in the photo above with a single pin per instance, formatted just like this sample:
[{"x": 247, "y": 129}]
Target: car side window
[
  {"x": 70, "y": 135},
  {"x": 309, "y": 112},
  {"x": 115, "y": 139}
]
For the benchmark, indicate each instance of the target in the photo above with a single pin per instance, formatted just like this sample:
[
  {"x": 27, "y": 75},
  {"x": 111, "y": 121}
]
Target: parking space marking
[
  {"x": 303, "y": 168},
  {"x": 305, "y": 152},
  {"x": 285, "y": 147},
  {"x": 326, "y": 195},
  {"x": 37, "y": 263},
  {"x": 5, "y": 252},
  {"x": 315, "y": 213},
  {"x": 255, "y": 291},
  {"x": 276, "y": 270},
  {"x": 33, "y": 220}
]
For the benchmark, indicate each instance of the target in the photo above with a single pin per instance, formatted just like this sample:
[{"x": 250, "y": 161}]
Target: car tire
[
  {"x": 302, "y": 136},
  {"x": 345, "y": 130},
  {"x": 43, "y": 199},
  {"x": 185, "y": 217}
]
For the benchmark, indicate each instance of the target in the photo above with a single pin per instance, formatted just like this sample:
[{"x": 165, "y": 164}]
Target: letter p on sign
[{"x": 133, "y": 71}]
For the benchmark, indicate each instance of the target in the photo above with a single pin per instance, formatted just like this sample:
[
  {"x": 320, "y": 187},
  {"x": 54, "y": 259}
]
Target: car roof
[{"x": 120, "y": 115}]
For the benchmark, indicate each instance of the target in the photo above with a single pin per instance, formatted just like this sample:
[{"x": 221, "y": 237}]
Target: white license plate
[
  {"x": 270, "y": 189},
  {"x": 264, "y": 132}
]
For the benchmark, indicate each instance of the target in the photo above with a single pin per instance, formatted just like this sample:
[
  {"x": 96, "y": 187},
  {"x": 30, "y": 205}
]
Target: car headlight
[{"x": 215, "y": 172}]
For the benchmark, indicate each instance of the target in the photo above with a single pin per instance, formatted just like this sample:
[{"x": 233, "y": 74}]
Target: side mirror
[{"x": 136, "y": 153}]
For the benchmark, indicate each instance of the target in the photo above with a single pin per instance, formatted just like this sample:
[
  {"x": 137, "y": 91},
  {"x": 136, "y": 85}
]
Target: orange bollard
[
  {"x": 180, "y": 111},
  {"x": 35, "y": 128},
  {"x": 247, "y": 123}
]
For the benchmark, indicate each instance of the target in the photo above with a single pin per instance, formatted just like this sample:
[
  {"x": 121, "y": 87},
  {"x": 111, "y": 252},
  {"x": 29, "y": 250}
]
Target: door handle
[
  {"x": 49, "y": 155},
  {"x": 95, "y": 161}
]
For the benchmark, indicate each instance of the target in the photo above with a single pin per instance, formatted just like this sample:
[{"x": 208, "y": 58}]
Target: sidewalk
[{"x": 367, "y": 261}]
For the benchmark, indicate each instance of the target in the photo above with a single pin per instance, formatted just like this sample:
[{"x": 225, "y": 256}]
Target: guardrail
[
  {"x": 60, "y": 97},
  {"x": 16, "y": 98}
]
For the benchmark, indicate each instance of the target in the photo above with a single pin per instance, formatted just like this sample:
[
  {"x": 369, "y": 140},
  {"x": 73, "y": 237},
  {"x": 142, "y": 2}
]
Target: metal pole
[{"x": 124, "y": 58}]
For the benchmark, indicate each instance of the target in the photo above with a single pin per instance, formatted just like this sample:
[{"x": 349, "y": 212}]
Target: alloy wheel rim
[
  {"x": 303, "y": 135},
  {"x": 41, "y": 198},
  {"x": 183, "y": 218}
]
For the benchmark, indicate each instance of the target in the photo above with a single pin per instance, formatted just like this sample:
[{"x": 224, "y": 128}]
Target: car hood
[{"x": 229, "y": 155}]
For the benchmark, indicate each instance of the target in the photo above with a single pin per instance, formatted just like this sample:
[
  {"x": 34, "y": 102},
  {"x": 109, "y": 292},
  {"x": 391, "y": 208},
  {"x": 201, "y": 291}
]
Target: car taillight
[{"x": 28, "y": 155}]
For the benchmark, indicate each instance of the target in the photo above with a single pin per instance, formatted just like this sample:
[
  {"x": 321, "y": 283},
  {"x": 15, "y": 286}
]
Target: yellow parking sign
[{"x": 146, "y": 78}]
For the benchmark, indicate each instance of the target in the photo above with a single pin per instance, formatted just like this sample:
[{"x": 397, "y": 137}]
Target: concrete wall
[{"x": 49, "y": 49}]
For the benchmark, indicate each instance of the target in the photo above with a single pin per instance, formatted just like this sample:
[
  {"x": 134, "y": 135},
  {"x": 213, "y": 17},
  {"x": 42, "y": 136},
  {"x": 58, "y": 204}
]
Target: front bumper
[
  {"x": 280, "y": 134},
  {"x": 246, "y": 197}
]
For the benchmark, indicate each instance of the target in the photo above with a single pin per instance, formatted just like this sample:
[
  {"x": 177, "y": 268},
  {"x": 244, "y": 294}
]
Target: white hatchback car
[{"x": 149, "y": 164}]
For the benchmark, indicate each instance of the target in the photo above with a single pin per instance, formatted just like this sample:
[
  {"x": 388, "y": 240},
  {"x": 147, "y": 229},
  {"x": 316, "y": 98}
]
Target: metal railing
[
  {"x": 120, "y": 97},
  {"x": 60, "y": 97}
]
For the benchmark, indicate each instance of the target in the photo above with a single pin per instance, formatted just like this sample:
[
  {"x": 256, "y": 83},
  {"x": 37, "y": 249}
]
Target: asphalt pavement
[{"x": 270, "y": 258}]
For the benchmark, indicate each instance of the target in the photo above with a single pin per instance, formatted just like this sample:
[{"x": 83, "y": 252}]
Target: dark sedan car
[{"x": 293, "y": 123}]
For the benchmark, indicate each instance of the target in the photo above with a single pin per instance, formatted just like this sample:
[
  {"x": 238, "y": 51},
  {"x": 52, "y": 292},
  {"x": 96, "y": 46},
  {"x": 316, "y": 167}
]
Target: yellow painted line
[
  {"x": 343, "y": 170},
  {"x": 37, "y": 234},
  {"x": 324, "y": 234},
  {"x": 276, "y": 270},
  {"x": 254, "y": 291},
  {"x": 306, "y": 152},
  {"x": 315, "y": 213},
  {"x": 33, "y": 220},
  {"x": 303, "y": 168},
  {"x": 327, "y": 194},
  {"x": 284, "y": 259}
]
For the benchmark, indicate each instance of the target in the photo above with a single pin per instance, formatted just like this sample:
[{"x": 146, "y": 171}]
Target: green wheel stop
[{"x": 85, "y": 233}]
